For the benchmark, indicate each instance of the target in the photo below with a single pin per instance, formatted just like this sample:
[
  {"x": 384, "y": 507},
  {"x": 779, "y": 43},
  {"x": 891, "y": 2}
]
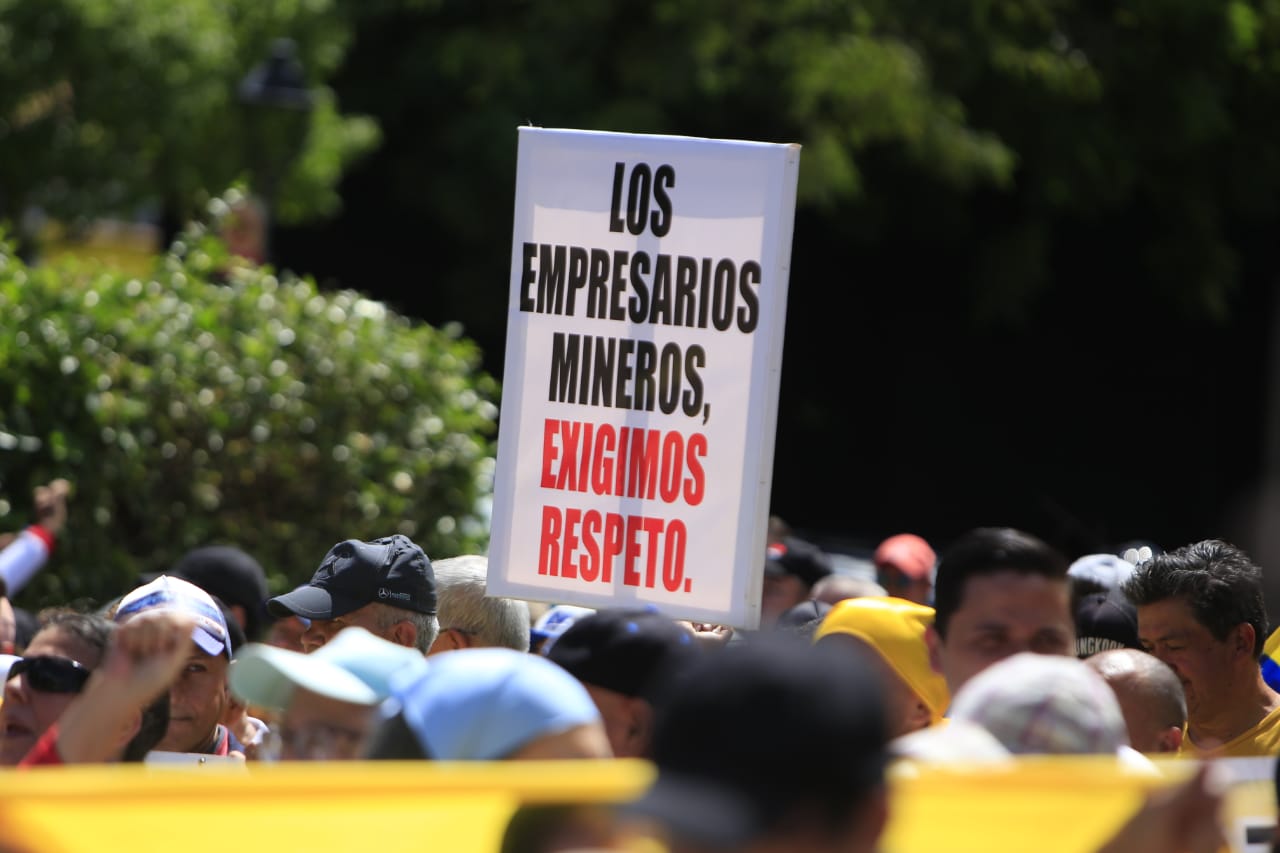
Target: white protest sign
[{"x": 644, "y": 347}]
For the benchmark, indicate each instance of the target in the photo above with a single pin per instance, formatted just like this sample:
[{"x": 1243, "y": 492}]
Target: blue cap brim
[{"x": 210, "y": 644}]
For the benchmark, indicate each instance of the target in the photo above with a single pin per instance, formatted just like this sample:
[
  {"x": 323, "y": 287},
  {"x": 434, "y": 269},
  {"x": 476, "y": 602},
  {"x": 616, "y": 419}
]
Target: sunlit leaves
[{"x": 220, "y": 403}]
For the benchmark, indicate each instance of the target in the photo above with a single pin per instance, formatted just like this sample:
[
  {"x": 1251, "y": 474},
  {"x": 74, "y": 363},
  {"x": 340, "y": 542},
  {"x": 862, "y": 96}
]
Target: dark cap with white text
[{"x": 392, "y": 571}]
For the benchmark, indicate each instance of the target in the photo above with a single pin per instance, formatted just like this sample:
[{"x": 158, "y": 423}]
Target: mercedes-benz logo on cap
[{"x": 383, "y": 592}]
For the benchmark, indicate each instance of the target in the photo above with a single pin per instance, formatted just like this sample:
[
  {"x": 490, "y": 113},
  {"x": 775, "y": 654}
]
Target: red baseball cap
[{"x": 907, "y": 553}]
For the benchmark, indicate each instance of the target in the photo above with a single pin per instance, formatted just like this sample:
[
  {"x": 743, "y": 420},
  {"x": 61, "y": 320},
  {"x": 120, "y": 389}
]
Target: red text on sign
[
  {"x": 643, "y": 551},
  {"x": 630, "y": 462}
]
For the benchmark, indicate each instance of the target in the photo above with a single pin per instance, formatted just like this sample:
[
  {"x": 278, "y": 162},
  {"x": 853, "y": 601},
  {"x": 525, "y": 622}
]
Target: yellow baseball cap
[{"x": 895, "y": 628}]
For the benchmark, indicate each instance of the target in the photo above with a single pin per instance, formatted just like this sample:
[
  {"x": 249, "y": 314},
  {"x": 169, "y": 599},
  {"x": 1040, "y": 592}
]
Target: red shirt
[{"x": 45, "y": 752}]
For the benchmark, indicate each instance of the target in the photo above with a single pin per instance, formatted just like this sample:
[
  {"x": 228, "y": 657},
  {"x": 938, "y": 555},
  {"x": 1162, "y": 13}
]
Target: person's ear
[
  {"x": 1171, "y": 739},
  {"x": 233, "y": 709},
  {"x": 404, "y": 633},
  {"x": 933, "y": 641},
  {"x": 639, "y": 726},
  {"x": 449, "y": 640},
  {"x": 919, "y": 717},
  {"x": 1243, "y": 638}
]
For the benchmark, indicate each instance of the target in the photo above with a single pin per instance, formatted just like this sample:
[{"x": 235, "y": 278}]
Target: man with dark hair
[
  {"x": 386, "y": 586},
  {"x": 46, "y": 682},
  {"x": 771, "y": 746},
  {"x": 121, "y": 709},
  {"x": 998, "y": 591},
  {"x": 1200, "y": 610},
  {"x": 232, "y": 577}
]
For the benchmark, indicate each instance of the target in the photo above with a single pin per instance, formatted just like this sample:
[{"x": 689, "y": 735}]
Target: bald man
[{"x": 1151, "y": 698}]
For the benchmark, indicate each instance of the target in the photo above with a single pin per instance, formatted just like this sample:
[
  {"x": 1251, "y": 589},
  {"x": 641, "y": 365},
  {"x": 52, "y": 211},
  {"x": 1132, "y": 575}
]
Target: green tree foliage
[
  {"x": 215, "y": 403},
  {"x": 105, "y": 105},
  {"x": 1001, "y": 135}
]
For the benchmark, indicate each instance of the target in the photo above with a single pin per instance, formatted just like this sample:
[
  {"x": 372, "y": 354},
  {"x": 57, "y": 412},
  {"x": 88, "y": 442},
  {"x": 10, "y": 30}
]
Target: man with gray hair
[
  {"x": 471, "y": 619},
  {"x": 385, "y": 586},
  {"x": 1151, "y": 697}
]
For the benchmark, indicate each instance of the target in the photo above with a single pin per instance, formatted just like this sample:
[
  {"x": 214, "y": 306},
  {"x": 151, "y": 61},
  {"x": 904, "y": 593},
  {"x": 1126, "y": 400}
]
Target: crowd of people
[{"x": 998, "y": 649}]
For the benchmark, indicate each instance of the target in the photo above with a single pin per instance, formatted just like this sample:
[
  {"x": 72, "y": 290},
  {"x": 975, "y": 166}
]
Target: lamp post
[{"x": 278, "y": 104}]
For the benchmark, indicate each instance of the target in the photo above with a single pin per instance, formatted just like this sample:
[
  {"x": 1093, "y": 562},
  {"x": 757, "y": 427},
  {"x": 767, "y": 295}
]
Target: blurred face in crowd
[
  {"x": 197, "y": 701},
  {"x": 628, "y": 721},
  {"x": 378, "y": 619},
  {"x": 899, "y": 584},
  {"x": 781, "y": 593},
  {"x": 1000, "y": 615},
  {"x": 287, "y": 633},
  {"x": 318, "y": 728},
  {"x": 8, "y": 627},
  {"x": 1206, "y": 666},
  {"x": 28, "y": 711}
]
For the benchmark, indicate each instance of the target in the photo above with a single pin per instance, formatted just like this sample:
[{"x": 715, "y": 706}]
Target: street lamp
[{"x": 278, "y": 105}]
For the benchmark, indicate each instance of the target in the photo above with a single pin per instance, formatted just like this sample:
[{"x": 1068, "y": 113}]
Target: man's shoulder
[{"x": 1262, "y": 739}]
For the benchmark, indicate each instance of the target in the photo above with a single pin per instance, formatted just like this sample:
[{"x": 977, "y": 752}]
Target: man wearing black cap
[
  {"x": 385, "y": 586},
  {"x": 230, "y": 575},
  {"x": 623, "y": 657},
  {"x": 1105, "y": 621},
  {"x": 771, "y": 747},
  {"x": 791, "y": 568}
]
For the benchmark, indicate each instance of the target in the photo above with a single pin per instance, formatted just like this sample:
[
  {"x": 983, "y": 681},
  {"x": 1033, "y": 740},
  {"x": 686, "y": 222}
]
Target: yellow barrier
[
  {"x": 1047, "y": 806},
  {"x": 130, "y": 247},
  {"x": 376, "y": 807}
]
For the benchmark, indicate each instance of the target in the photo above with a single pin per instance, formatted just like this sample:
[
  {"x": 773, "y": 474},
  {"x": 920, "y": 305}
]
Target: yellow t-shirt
[{"x": 1262, "y": 739}]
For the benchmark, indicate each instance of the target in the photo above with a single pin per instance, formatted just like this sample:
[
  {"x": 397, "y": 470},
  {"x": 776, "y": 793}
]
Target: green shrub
[{"x": 216, "y": 403}]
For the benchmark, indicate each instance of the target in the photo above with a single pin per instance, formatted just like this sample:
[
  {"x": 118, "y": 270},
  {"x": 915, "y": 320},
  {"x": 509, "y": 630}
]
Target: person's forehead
[
  {"x": 360, "y": 616},
  {"x": 195, "y": 653},
  {"x": 1169, "y": 617},
  {"x": 56, "y": 642},
  {"x": 1013, "y": 597}
]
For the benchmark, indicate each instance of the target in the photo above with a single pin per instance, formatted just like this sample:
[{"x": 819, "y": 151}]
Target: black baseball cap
[
  {"x": 392, "y": 570},
  {"x": 763, "y": 733},
  {"x": 1105, "y": 621},
  {"x": 628, "y": 651},
  {"x": 797, "y": 557},
  {"x": 229, "y": 575}
]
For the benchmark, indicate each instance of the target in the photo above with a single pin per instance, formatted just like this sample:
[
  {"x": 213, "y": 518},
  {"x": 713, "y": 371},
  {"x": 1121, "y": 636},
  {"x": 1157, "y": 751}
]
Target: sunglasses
[{"x": 50, "y": 674}]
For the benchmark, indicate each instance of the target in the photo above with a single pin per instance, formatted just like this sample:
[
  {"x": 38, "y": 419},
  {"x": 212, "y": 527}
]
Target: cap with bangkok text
[
  {"x": 392, "y": 571},
  {"x": 1105, "y": 621}
]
